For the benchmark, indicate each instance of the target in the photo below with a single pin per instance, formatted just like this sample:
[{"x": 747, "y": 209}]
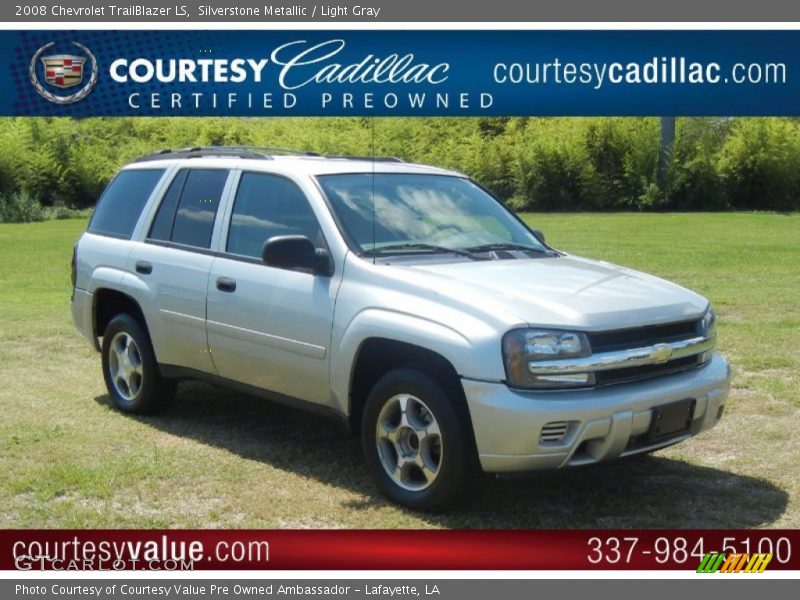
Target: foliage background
[{"x": 50, "y": 167}]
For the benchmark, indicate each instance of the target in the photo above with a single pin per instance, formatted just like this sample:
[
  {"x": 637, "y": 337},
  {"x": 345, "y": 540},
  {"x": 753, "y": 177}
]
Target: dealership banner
[
  {"x": 400, "y": 73},
  {"x": 724, "y": 552}
]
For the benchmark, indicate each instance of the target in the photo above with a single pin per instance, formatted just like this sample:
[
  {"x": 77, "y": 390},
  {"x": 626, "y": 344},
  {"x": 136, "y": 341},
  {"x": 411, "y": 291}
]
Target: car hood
[{"x": 565, "y": 291}]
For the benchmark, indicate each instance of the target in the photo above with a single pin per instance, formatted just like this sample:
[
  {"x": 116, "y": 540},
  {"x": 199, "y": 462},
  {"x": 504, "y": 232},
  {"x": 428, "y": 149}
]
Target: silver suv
[{"x": 401, "y": 299}]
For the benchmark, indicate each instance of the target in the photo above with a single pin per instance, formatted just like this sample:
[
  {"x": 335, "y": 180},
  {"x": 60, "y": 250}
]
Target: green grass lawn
[{"x": 219, "y": 459}]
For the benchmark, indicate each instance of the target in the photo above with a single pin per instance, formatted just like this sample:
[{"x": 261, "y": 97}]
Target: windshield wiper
[
  {"x": 506, "y": 246},
  {"x": 422, "y": 246}
]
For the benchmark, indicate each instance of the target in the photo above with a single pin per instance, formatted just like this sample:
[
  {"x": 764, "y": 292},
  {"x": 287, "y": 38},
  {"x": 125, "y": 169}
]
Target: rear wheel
[
  {"x": 130, "y": 369},
  {"x": 416, "y": 440}
]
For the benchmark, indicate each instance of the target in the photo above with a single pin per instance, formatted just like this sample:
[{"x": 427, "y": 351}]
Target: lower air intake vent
[{"x": 553, "y": 432}]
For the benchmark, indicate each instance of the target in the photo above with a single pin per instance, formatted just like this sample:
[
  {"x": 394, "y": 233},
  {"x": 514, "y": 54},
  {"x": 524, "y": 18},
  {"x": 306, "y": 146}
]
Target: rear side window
[
  {"x": 165, "y": 217},
  {"x": 122, "y": 202},
  {"x": 188, "y": 210}
]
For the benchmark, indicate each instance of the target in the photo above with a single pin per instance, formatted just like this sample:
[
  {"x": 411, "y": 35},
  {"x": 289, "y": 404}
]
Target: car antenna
[{"x": 374, "y": 235}]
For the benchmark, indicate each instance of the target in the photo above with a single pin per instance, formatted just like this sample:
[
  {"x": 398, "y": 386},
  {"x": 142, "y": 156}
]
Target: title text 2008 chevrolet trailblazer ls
[{"x": 400, "y": 298}]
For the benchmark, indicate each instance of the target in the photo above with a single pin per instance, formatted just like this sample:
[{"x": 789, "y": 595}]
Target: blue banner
[{"x": 400, "y": 73}]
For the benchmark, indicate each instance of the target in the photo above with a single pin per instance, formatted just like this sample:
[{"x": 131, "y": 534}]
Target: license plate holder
[{"x": 670, "y": 420}]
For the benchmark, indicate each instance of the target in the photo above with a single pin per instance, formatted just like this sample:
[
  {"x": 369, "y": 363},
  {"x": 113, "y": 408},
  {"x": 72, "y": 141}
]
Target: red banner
[{"x": 176, "y": 550}]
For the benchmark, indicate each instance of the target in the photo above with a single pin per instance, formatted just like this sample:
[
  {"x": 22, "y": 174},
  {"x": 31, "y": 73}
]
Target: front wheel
[
  {"x": 130, "y": 369},
  {"x": 416, "y": 440}
]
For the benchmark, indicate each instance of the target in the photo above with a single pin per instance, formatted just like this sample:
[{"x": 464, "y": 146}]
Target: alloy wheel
[
  {"x": 409, "y": 442},
  {"x": 125, "y": 366}
]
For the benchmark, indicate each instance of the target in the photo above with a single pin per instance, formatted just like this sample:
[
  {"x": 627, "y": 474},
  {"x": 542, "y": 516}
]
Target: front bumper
[{"x": 601, "y": 423}]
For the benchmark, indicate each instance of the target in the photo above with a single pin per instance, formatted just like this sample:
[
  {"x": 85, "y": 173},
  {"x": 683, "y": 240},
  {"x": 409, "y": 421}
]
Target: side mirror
[
  {"x": 295, "y": 252},
  {"x": 537, "y": 233}
]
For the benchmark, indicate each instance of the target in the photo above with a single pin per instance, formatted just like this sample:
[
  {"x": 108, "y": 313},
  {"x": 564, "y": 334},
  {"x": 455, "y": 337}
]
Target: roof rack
[
  {"x": 253, "y": 152},
  {"x": 368, "y": 158}
]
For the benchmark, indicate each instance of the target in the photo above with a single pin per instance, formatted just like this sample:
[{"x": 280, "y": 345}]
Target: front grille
[
  {"x": 628, "y": 374},
  {"x": 625, "y": 339},
  {"x": 621, "y": 339},
  {"x": 554, "y": 432}
]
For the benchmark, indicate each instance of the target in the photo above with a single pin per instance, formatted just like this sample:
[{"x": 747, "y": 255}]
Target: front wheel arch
[{"x": 377, "y": 356}]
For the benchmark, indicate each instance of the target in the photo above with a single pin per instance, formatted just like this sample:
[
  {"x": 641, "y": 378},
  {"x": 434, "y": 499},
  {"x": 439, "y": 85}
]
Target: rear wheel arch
[{"x": 107, "y": 303}]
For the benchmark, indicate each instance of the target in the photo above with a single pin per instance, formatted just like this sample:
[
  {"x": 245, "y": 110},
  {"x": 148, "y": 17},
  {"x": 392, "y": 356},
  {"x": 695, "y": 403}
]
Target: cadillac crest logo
[{"x": 63, "y": 71}]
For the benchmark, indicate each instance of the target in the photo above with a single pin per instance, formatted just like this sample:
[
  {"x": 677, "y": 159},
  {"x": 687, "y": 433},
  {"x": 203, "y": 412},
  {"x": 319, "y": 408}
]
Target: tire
[
  {"x": 130, "y": 369},
  {"x": 409, "y": 461}
]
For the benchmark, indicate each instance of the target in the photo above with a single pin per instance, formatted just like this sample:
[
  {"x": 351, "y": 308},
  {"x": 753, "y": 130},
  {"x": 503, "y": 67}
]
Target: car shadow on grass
[{"x": 646, "y": 492}]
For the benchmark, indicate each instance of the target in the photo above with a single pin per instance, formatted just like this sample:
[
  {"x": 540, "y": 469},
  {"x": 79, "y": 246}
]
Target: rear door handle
[
  {"x": 145, "y": 268},
  {"x": 226, "y": 284}
]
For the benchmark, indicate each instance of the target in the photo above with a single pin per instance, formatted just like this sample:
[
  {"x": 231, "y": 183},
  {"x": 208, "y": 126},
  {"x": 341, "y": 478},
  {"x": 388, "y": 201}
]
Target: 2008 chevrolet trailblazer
[{"x": 402, "y": 299}]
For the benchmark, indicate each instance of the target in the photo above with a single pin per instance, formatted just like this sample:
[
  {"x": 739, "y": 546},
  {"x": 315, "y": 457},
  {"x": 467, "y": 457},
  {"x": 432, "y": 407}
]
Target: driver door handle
[
  {"x": 226, "y": 284},
  {"x": 144, "y": 267}
]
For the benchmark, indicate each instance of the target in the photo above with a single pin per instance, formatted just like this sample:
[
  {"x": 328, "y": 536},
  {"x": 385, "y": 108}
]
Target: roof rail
[
  {"x": 253, "y": 152},
  {"x": 368, "y": 158}
]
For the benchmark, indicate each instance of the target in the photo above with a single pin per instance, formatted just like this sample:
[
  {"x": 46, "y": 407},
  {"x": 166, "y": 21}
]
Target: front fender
[{"x": 397, "y": 326}]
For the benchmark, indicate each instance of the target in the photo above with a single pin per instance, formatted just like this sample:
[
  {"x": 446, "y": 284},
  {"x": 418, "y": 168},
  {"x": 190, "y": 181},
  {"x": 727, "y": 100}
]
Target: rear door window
[
  {"x": 187, "y": 212},
  {"x": 121, "y": 204},
  {"x": 165, "y": 217}
]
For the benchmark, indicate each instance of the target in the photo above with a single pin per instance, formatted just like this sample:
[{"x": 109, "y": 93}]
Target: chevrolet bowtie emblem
[{"x": 660, "y": 353}]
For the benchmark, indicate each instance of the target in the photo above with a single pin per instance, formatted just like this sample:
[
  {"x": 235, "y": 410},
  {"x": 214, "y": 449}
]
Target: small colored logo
[
  {"x": 719, "y": 562},
  {"x": 63, "y": 71}
]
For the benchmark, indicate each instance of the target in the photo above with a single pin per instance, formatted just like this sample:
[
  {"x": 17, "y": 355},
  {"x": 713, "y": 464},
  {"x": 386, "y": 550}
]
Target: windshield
[{"x": 422, "y": 213}]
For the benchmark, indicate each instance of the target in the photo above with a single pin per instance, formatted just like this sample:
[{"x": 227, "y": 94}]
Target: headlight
[
  {"x": 708, "y": 329},
  {"x": 709, "y": 324},
  {"x": 521, "y": 347}
]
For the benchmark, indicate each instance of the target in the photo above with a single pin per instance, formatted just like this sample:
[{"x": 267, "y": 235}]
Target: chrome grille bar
[{"x": 655, "y": 354}]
